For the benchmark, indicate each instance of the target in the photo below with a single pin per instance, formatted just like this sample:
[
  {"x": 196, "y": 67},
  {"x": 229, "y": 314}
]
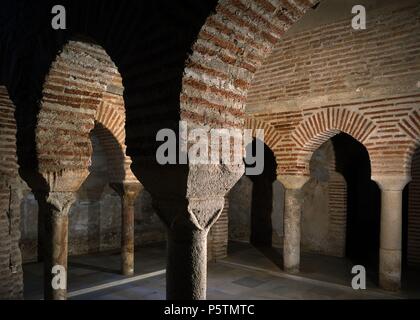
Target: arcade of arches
[{"x": 79, "y": 113}]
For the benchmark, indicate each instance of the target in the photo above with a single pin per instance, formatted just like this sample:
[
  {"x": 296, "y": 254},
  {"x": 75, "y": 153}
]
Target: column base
[
  {"x": 186, "y": 272},
  {"x": 390, "y": 270},
  {"x": 292, "y": 270},
  {"x": 127, "y": 272}
]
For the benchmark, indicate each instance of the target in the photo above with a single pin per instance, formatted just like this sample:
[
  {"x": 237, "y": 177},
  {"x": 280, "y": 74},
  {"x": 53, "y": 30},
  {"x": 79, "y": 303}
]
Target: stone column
[
  {"x": 188, "y": 223},
  {"x": 55, "y": 207},
  {"x": 292, "y": 220},
  {"x": 128, "y": 193},
  {"x": 188, "y": 199},
  {"x": 391, "y": 230}
]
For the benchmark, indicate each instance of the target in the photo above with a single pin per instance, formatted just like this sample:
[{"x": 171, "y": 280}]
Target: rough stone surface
[
  {"x": 292, "y": 229},
  {"x": 240, "y": 198}
]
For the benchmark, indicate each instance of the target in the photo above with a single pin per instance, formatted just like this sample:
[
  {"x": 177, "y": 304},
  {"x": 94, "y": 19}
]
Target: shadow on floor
[
  {"x": 247, "y": 273},
  {"x": 314, "y": 266},
  {"x": 272, "y": 254},
  {"x": 93, "y": 267}
]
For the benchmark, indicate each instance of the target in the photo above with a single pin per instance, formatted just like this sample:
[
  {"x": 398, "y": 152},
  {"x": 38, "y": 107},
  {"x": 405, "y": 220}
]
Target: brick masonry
[
  {"x": 333, "y": 79},
  {"x": 230, "y": 48},
  {"x": 370, "y": 77},
  {"x": 83, "y": 92},
  {"x": 337, "y": 211}
]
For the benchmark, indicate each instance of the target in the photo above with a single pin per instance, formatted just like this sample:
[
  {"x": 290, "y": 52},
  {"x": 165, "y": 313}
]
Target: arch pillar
[
  {"x": 292, "y": 220},
  {"x": 391, "y": 229},
  {"x": 188, "y": 199}
]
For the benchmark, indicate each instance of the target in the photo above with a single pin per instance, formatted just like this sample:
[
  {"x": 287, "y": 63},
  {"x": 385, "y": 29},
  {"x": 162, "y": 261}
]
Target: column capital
[
  {"x": 66, "y": 180},
  {"x": 190, "y": 214},
  {"x": 391, "y": 182},
  {"x": 293, "y": 182},
  {"x": 58, "y": 203},
  {"x": 128, "y": 191}
]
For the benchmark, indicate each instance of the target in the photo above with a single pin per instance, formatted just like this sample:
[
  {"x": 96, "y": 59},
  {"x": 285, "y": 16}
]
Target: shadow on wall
[{"x": 316, "y": 214}]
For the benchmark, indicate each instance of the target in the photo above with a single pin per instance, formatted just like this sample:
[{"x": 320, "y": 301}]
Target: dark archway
[
  {"x": 363, "y": 202},
  {"x": 262, "y": 200}
]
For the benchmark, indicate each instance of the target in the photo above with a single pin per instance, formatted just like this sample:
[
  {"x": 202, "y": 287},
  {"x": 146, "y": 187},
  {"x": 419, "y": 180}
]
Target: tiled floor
[{"x": 247, "y": 273}]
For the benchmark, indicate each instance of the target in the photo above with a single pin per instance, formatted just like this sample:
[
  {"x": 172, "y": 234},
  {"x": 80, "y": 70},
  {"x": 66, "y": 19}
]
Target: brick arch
[
  {"x": 410, "y": 125},
  {"x": 83, "y": 87},
  {"x": 271, "y": 136},
  {"x": 112, "y": 120},
  {"x": 230, "y": 48},
  {"x": 110, "y": 129},
  {"x": 114, "y": 152},
  {"x": 310, "y": 134}
]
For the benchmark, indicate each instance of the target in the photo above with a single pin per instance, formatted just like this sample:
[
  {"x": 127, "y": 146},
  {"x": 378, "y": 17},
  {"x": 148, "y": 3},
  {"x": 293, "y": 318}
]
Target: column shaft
[
  {"x": 127, "y": 238},
  {"x": 188, "y": 222},
  {"x": 128, "y": 191},
  {"x": 56, "y": 253},
  {"x": 186, "y": 272},
  {"x": 292, "y": 220},
  {"x": 391, "y": 230},
  {"x": 292, "y": 225},
  {"x": 54, "y": 208}
]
